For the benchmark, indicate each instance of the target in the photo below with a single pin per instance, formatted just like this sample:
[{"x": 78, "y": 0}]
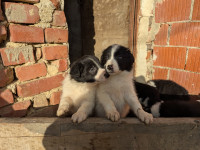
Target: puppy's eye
[
  {"x": 119, "y": 57},
  {"x": 93, "y": 70}
]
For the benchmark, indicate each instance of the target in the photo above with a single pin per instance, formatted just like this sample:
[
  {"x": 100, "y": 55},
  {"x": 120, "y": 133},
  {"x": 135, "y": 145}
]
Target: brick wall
[
  {"x": 34, "y": 56},
  {"x": 175, "y": 51}
]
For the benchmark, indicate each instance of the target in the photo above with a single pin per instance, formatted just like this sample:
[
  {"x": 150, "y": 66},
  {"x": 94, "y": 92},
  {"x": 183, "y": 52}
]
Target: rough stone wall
[
  {"x": 169, "y": 41},
  {"x": 34, "y": 56},
  {"x": 111, "y": 22}
]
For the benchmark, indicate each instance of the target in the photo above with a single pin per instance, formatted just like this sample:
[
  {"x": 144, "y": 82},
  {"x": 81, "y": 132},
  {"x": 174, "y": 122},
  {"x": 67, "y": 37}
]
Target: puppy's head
[
  {"x": 88, "y": 69},
  {"x": 117, "y": 58}
]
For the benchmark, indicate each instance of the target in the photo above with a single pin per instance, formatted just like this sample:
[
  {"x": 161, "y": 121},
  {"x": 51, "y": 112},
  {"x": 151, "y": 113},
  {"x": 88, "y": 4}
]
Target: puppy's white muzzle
[
  {"x": 112, "y": 66},
  {"x": 101, "y": 75}
]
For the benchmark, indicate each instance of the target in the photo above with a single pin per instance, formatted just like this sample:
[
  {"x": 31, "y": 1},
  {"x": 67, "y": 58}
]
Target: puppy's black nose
[
  {"x": 106, "y": 75},
  {"x": 110, "y": 67}
]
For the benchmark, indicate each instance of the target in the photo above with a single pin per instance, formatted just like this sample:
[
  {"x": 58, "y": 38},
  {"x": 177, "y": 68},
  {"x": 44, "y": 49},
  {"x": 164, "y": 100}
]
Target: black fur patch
[
  {"x": 122, "y": 55},
  {"x": 84, "y": 69}
]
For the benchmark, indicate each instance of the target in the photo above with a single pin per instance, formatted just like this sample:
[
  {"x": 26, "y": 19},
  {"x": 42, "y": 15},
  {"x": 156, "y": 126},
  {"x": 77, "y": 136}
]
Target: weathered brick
[
  {"x": 6, "y": 76},
  {"x": 38, "y": 53},
  {"x": 16, "y": 110},
  {"x": 6, "y": 97},
  {"x": 61, "y": 64},
  {"x": 188, "y": 80},
  {"x": 56, "y": 3},
  {"x": 3, "y": 33},
  {"x": 39, "y": 86},
  {"x": 149, "y": 54},
  {"x": 196, "y": 10},
  {"x": 172, "y": 10},
  {"x": 55, "y": 52},
  {"x": 28, "y": 34},
  {"x": 173, "y": 57},
  {"x": 25, "y": 73},
  {"x": 54, "y": 35},
  {"x": 59, "y": 18},
  {"x": 55, "y": 98},
  {"x": 29, "y": 1},
  {"x": 40, "y": 101},
  {"x": 161, "y": 37},
  {"x": 193, "y": 60},
  {"x": 185, "y": 34},
  {"x": 19, "y": 55},
  {"x": 160, "y": 73},
  {"x": 21, "y": 13}
]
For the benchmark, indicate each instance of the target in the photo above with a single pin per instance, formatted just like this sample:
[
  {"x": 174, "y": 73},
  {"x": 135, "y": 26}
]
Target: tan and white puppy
[
  {"x": 79, "y": 87},
  {"x": 118, "y": 91}
]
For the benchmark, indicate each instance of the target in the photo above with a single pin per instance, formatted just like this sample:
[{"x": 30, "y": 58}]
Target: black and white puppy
[
  {"x": 165, "y": 98},
  {"x": 118, "y": 91},
  {"x": 79, "y": 87}
]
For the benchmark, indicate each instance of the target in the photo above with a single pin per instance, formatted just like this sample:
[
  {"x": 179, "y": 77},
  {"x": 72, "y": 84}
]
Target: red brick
[
  {"x": 161, "y": 37},
  {"x": 61, "y": 64},
  {"x": 196, "y": 10},
  {"x": 28, "y": 13},
  {"x": 172, "y": 10},
  {"x": 193, "y": 60},
  {"x": 3, "y": 33},
  {"x": 15, "y": 56},
  {"x": 6, "y": 76},
  {"x": 188, "y": 80},
  {"x": 55, "y": 52},
  {"x": 149, "y": 54},
  {"x": 160, "y": 73},
  {"x": 55, "y": 98},
  {"x": 59, "y": 18},
  {"x": 185, "y": 34},
  {"x": 28, "y": 34},
  {"x": 39, "y": 86},
  {"x": 56, "y": 3},
  {"x": 29, "y": 1},
  {"x": 25, "y": 73},
  {"x": 54, "y": 35},
  {"x": 173, "y": 57},
  {"x": 16, "y": 110},
  {"x": 6, "y": 97}
]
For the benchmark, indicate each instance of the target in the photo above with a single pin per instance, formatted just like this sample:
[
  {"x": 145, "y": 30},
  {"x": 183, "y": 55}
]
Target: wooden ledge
[{"x": 99, "y": 133}]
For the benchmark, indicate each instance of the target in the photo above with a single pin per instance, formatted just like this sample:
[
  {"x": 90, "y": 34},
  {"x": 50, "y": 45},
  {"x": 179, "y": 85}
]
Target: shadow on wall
[{"x": 80, "y": 20}]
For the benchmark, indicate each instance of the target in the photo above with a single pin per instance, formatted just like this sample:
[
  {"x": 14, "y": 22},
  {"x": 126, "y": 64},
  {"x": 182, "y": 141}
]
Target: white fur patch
[
  {"x": 145, "y": 103},
  {"x": 112, "y": 60},
  {"x": 151, "y": 83},
  {"x": 198, "y": 101},
  {"x": 155, "y": 109},
  {"x": 100, "y": 75}
]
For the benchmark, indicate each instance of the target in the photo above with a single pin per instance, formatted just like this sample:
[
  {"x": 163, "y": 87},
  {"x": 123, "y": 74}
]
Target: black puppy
[{"x": 166, "y": 99}]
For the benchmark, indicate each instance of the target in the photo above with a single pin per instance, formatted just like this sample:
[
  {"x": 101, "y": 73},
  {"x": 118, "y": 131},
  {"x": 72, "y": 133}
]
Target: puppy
[
  {"x": 79, "y": 87},
  {"x": 118, "y": 91}
]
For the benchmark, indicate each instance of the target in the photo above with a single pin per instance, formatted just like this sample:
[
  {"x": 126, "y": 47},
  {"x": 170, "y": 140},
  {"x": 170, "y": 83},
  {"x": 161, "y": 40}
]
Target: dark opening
[{"x": 80, "y": 19}]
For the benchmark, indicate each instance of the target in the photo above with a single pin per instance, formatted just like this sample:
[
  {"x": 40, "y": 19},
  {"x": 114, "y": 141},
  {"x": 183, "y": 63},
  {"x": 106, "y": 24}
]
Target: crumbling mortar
[
  {"x": 191, "y": 9},
  {"x": 187, "y": 51},
  {"x": 168, "y": 34}
]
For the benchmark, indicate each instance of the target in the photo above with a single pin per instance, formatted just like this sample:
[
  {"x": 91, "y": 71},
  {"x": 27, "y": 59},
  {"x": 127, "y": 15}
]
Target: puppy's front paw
[
  {"x": 144, "y": 116},
  {"x": 79, "y": 117},
  {"x": 114, "y": 115},
  {"x": 62, "y": 111}
]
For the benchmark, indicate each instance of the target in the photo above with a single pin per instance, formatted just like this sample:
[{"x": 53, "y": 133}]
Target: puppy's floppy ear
[
  {"x": 131, "y": 57},
  {"x": 76, "y": 70}
]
